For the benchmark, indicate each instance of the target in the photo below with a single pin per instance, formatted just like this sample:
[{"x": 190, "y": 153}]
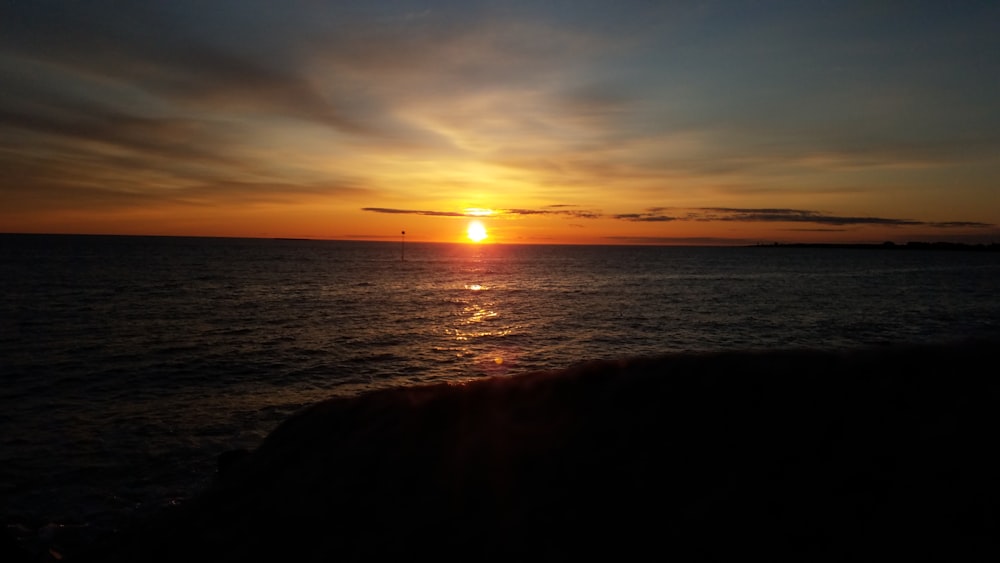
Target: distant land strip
[{"x": 992, "y": 247}]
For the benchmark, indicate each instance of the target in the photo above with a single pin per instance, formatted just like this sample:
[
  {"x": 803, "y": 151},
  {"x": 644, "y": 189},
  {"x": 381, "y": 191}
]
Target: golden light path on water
[{"x": 476, "y": 318}]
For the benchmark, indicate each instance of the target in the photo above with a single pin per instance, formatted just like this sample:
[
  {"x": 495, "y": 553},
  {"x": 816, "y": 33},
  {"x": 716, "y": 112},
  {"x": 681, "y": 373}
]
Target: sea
[{"x": 129, "y": 364}]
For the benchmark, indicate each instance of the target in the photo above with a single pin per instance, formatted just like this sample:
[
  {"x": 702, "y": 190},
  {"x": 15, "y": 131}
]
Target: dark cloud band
[{"x": 708, "y": 214}]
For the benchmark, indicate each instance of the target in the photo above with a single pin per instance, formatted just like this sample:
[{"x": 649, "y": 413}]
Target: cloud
[
  {"x": 777, "y": 215},
  {"x": 418, "y": 212},
  {"x": 86, "y": 125},
  {"x": 133, "y": 163},
  {"x": 372, "y": 76},
  {"x": 958, "y": 224},
  {"x": 706, "y": 214},
  {"x": 578, "y": 213},
  {"x": 649, "y": 217},
  {"x": 496, "y": 212},
  {"x": 167, "y": 57},
  {"x": 796, "y": 216}
]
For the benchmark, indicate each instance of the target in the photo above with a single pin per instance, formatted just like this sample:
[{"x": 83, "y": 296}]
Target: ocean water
[{"x": 129, "y": 364}]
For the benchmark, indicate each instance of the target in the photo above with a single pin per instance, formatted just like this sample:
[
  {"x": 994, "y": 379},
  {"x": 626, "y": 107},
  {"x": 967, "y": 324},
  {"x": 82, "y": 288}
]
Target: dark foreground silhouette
[{"x": 807, "y": 456}]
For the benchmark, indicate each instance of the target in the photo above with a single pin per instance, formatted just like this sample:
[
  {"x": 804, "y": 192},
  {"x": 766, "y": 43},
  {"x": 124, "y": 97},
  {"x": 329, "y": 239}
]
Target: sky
[{"x": 570, "y": 122}]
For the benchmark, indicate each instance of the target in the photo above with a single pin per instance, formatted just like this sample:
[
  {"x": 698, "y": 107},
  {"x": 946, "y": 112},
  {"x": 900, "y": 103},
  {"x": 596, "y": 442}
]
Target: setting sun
[{"x": 476, "y": 231}]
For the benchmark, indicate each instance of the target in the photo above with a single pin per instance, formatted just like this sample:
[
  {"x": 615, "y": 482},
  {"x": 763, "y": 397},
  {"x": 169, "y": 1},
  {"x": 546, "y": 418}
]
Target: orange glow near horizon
[
  {"x": 547, "y": 141},
  {"x": 532, "y": 223}
]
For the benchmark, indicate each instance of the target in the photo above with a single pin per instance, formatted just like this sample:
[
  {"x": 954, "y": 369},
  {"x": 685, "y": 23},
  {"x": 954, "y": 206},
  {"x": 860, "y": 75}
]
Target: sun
[{"x": 476, "y": 231}]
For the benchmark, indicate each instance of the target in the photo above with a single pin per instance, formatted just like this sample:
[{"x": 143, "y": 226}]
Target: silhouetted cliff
[{"x": 810, "y": 456}]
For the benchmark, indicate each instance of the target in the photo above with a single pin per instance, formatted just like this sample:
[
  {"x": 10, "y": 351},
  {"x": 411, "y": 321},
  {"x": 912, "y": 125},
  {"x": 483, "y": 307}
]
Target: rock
[
  {"x": 784, "y": 455},
  {"x": 11, "y": 551},
  {"x": 230, "y": 459}
]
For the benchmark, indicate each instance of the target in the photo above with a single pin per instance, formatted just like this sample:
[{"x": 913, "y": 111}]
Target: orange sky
[{"x": 575, "y": 122}]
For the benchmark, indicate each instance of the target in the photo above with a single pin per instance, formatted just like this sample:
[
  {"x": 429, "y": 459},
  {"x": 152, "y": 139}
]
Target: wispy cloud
[
  {"x": 648, "y": 217},
  {"x": 705, "y": 214},
  {"x": 418, "y": 212},
  {"x": 808, "y": 216},
  {"x": 168, "y": 60},
  {"x": 578, "y": 213}
]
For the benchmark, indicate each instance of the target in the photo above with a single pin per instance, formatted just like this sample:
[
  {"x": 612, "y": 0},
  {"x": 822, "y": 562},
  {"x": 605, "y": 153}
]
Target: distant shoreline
[{"x": 992, "y": 247}]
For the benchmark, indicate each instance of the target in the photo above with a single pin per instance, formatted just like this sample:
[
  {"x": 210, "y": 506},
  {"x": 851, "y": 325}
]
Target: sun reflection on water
[
  {"x": 477, "y": 314},
  {"x": 478, "y": 327},
  {"x": 484, "y": 323}
]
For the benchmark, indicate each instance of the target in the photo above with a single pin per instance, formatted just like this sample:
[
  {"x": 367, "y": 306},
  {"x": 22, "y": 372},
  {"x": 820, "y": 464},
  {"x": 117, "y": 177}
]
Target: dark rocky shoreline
[{"x": 802, "y": 455}]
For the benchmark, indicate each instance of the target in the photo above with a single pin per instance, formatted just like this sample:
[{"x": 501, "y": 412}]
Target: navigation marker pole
[{"x": 402, "y": 246}]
